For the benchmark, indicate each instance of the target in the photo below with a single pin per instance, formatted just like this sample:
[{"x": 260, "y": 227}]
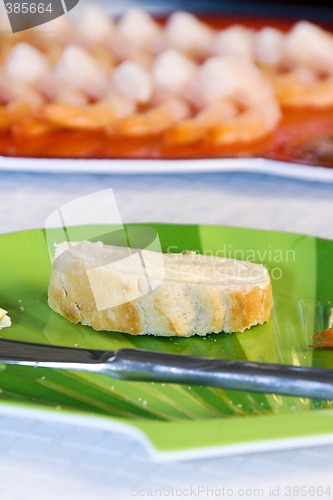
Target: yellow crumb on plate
[{"x": 5, "y": 320}]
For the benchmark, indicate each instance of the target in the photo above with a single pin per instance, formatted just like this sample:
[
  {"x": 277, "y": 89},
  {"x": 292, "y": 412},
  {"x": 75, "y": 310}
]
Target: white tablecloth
[{"x": 49, "y": 461}]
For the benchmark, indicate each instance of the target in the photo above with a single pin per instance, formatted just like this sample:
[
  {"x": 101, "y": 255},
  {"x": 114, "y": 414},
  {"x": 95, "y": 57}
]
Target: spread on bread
[{"x": 144, "y": 292}]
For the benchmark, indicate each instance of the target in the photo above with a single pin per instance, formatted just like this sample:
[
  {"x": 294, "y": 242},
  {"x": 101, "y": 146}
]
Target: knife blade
[{"x": 143, "y": 365}]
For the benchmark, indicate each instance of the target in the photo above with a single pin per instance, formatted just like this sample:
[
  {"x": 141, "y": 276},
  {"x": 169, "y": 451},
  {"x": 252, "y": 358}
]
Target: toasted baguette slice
[{"x": 184, "y": 294}]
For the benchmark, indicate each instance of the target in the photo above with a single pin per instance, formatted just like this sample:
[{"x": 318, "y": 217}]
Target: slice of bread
[{"x": 144, "y": 292}]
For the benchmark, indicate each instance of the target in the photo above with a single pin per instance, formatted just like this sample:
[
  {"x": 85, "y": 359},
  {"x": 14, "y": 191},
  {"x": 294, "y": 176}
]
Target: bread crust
[{"x": 174, "y": 308}]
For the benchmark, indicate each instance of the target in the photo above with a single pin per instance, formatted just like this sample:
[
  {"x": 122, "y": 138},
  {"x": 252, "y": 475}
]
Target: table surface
[
  {"x": 44, "y": 460},
  {"x": 56, "y": 460}
]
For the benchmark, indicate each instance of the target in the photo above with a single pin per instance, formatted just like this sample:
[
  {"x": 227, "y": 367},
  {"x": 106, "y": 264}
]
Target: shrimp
[
  {"x": 90, "y": 117},
  {"x": 187, "y": 34},
  {"x": 77, "y": 69},
  {"x": 155, "y": 121},
  {"x": 13, "y": 92},
  {"x": 310, "y": 46},
  {"x": 171, "y": 73},
  {"x": 195, "y": 129},
  {"x": 24, "y": 72},
  {"x": 235, "y": 41},
  {"x": 94, "y": 26},
  {"x": 246, "y": 109},
  {"x": 130, "y": 85},
  {"x": 75, "y": 78},
  {"x": 139, "y": 29},
  {"x": 303, "y": 88},
  {"x": 26, "y": 64},
  {"x": 174, "y": 72},
  {"x": 306, "y": 59},
  {"x": 137, "y": 36},
  {"x": 134, "y": 81},
  {"x": 269, "y": 47}
]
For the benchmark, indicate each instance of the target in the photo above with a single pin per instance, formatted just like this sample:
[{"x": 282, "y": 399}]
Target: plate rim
[
  {"x": 138, "y": 431},
  {"x": 270, "y": 167}
]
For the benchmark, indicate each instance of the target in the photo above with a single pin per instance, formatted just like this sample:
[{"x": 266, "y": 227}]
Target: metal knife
[{"x": 142, "y": 365}]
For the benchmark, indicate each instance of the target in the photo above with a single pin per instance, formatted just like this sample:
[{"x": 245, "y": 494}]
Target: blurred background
[
  {"x": 315, "y": 9},
  {"x": 312, "y": 10}
]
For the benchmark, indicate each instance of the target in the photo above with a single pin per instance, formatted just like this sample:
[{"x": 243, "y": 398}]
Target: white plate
[{"x": 132, "y": 166}]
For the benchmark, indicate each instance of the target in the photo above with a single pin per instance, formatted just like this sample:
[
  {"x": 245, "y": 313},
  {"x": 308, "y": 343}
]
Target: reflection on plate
[{"x": 179, "y": 421}]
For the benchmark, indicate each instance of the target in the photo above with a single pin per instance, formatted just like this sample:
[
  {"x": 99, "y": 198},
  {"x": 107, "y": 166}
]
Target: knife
[{"x": 150, "y": 366}]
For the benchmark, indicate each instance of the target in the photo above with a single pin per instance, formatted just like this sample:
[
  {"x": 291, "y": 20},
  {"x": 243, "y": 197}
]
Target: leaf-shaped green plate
[{"x": 178, "y": 421}]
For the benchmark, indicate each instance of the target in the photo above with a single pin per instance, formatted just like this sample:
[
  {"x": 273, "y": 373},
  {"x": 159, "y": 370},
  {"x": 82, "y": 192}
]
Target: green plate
[{"x": 178, "y": 421}]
